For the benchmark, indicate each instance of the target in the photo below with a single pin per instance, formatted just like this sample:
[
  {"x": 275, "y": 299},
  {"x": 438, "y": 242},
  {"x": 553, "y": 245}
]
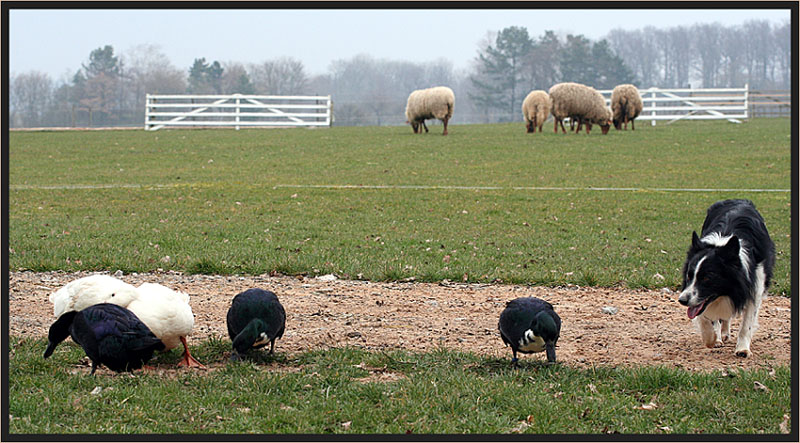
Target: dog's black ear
[
  {"x": 731, "y": 250},
  {"x": 696, "y": 244}
]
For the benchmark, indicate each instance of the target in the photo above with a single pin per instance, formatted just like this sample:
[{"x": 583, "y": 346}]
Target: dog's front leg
[
  {"x": 725, "y": 329},
  {"x": 718, "y": 339},
  {"x": 749, "y": 325},
  {"x": 708, "y": 330}
]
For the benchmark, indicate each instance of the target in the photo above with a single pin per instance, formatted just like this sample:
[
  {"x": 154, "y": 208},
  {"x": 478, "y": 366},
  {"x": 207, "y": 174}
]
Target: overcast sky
[{"x": 58, "y": 41}]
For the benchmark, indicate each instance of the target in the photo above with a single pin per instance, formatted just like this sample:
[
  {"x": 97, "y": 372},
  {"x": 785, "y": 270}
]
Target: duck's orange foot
[
  {"x": 187, "y": 359},
  {"x": 190, "y": 362}
]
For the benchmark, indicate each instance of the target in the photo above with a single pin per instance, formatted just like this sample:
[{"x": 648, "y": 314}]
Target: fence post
[
  {"x": 653, "y": 112},
  {"x": 330, "y": 111},
  {"x": 237, "y": 112},
  {"x": 746, "y": 101},
  {"x": 146, "y": 111}
]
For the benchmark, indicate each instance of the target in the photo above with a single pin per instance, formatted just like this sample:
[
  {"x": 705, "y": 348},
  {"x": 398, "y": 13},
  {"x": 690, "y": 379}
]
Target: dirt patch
[{"x": 649, "y": 328}]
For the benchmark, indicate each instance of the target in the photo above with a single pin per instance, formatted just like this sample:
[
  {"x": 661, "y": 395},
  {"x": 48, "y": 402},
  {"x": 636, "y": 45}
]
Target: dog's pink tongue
[{"x": 694, "y": 310}]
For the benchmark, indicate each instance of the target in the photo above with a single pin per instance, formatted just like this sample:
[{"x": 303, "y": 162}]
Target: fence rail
[
  {"x": 236, "y": 111},
  {"x": 770, "y": 103},
  {"x": 692, "y": 104}
]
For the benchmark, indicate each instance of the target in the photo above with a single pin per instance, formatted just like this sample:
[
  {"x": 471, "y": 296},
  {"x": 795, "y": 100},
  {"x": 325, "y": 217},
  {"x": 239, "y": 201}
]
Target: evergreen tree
[
  {"x": 242, "y": 85},
  {"x": 205, "y": 78},
  {"x": 102, "y": 61},
  {"x": 214, "y": 77},
  {"x": 500, "y": 82},
  {"x": 542, "y": 64},
  {"x": 97, "y": 86},
  {"x": 609, "y": 69},
  {"x": 576, "y": 63}
]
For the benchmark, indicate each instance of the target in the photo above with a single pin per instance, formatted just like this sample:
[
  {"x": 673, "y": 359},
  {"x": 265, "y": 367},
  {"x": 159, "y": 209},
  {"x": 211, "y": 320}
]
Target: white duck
[
  {"x": 165, "y": 312},
  {"x": 87, "y": 291}
]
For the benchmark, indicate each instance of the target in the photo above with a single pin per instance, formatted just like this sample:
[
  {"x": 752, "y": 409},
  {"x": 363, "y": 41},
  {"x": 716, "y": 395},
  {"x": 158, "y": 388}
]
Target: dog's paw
[
  {"x": 725, "y": 337},
  {"x": 744, "y": 353},
  {"x": 718, "y": 344}
]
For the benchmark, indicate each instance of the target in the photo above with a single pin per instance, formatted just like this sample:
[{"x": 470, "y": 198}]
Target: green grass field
[
  {"x": 441, "y": 392},
  {"x": 479, "y": 204},
  {"x": 221, "y": 201}
]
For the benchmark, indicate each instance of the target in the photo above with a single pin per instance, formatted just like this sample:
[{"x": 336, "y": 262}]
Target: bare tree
[
  {"x": 439, "y": 72},
  {"x": 681, "y": 47},
  {"x": 638, "y": 49},
  {"x": 29, "y": 98},
  {"x": 732, "y": 56},
  {"x": 706, "y": 44},
  {"x": 783, "y": 54},
  {"x": 282, "y": 76},
  {"x": 149, "y": 71},
  {"x": 236, "y": 80},
  {"x": 758, "y": 51}
]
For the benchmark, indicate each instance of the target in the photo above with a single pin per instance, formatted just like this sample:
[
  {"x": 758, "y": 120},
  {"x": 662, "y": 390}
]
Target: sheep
[
  {"x": 535, "y": 109},
  {"x": 436, "y": 102},
  {"x": 626, "y": 104},
  {"x": 579, "y": 102}
]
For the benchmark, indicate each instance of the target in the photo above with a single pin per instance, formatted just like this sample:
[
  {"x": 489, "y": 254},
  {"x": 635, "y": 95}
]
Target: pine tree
[
  {"x": 610, "y": 70},
  {"x": 499, "y": 82}
]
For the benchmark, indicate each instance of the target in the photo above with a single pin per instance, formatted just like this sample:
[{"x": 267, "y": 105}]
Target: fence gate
[
  {"x": 236, "y": 111},
  {"x": 691, "y": 104}
]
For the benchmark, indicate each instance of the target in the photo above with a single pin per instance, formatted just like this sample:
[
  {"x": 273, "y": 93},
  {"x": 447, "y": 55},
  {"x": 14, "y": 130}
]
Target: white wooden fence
[
  {"x": 691, "y": 104},
  {"x": 236, "y": 111}
]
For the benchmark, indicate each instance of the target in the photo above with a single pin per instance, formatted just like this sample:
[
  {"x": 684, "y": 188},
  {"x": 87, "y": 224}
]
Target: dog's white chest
[
  {"x": 531, "y": 343},
  {"x": 719, "y": 309}
]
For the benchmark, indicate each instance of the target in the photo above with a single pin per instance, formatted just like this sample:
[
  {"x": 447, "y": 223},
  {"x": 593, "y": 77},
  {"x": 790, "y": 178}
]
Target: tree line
[{"x": 109, "y": 88}]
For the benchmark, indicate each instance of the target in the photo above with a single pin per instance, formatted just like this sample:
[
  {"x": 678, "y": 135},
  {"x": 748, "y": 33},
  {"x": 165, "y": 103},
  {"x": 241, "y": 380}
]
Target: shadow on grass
[{"x": 503, "y": 366}]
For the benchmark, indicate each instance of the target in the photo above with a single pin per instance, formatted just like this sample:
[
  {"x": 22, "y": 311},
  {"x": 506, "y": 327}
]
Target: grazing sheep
[
  {"x": 626, "y": 104},
  {"x": 429, "y": 103},
  {"x": 535, "y": 109},
  {"x": 579, "y": 102}
]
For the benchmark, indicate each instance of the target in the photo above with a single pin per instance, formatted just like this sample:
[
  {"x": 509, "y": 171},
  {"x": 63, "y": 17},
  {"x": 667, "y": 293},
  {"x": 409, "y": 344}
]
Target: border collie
[{"x": 727, "y": 271}]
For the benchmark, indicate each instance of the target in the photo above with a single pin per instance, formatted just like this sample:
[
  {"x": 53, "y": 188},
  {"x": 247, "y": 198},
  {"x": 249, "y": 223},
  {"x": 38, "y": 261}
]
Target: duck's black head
[
  {"x": 546, "y": 325},
  {"x": 59, "y": 331}
]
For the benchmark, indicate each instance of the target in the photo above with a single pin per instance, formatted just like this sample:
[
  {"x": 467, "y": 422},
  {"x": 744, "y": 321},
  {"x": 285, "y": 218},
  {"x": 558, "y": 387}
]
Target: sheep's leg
[
  {"x": 561, "y": 122},
  {"x": 588, "y": 127},
  {"x": 633, "y": 128},
  {"x": 446, "y": 119},
  {"x": 424, "y": 126}
]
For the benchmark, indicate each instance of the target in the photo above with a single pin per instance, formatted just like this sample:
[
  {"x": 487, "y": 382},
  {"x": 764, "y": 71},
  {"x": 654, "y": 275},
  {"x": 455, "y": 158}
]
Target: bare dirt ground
[{"x": 649, "y": 328}]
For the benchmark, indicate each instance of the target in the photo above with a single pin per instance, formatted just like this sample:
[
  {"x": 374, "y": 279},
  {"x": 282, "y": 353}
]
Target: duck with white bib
[{"x": 528, "y": 325}]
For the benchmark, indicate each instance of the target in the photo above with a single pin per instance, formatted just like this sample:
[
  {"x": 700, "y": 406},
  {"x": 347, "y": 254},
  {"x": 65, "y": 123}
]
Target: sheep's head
[
  {"x": 605, "y": 124},
  {"x": 617, "y": 124},
  {"x": 414, "y": 125}
]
